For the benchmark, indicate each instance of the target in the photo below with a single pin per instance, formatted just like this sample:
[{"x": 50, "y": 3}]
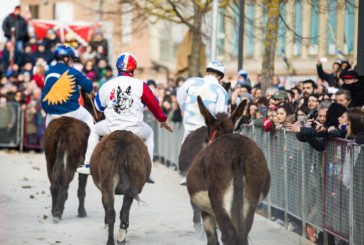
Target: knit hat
[
  {"x": 280, "y": 95},
  {"x": 333, "y": 113}
]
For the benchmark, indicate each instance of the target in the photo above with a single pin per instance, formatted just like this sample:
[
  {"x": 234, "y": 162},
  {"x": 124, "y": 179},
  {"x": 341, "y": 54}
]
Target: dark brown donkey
[
  {"x": 120, "y": 165},
  {"x": 227, "y": 180},
  {"x": 65, "y": 143}
]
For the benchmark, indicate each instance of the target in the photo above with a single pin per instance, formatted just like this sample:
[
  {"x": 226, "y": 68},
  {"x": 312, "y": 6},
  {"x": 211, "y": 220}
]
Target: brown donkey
[
  {"x": 191, "y": 146},
  {"x": 120, "y": 165},
  {"x": 65, "y": 143},
  {"x": 227, "y": 180}
]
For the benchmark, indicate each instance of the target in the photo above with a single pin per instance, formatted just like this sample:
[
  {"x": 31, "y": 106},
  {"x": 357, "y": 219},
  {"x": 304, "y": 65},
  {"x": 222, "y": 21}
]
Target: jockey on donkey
[
  {"x": 121, "y": 163},
  {"x": 69, "y": 129},
  {"x": 214, "y": 94}
]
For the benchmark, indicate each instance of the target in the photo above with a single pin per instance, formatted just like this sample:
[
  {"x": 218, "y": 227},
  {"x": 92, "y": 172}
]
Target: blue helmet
[
  {"x": 60, "y": 52},
  {"x": 71, "y": 53}
]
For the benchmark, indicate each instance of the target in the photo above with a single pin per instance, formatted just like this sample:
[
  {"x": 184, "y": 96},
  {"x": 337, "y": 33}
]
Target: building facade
[{"x": 307, "y": 30}]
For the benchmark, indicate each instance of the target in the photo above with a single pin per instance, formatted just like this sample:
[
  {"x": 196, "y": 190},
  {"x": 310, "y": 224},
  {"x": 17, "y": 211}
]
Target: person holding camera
[{"x": 313, "y": 130}]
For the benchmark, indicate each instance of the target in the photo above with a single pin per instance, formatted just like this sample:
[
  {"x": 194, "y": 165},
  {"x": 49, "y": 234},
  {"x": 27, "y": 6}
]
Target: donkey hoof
[
  {"x": 110, "y": 242},
  {"x": 56, "y": 220},
  {"x": 121, "y": 239},
  {"x": 198, "y": 227},
  {"x": 82, "y": 213}
]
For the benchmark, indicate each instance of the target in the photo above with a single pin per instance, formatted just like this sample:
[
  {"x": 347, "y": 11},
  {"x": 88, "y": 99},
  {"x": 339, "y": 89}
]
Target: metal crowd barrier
[
  {"x": 10, "y": 125},
  {"x": 322, "y": 189}
]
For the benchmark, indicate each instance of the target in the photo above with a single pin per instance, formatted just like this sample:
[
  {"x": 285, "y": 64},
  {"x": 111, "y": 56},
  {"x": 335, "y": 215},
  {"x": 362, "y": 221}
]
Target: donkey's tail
[
  {"x": 237, "y": 213},
  {"x": 59, "y": 165}
]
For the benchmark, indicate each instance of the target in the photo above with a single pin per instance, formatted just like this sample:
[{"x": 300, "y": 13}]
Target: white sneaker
[
  {"x": 84, "y": 169},
  {"x": 183, "y": 181}
]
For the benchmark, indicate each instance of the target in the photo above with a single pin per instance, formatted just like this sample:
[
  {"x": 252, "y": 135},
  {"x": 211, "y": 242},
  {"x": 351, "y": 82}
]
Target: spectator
[
  {"x": 284, "y": 115},
  {"x": 39, "y": 76},
  {"x": 88, "y": 55},
  {"x": 331, "y": 78},
  {"x": 107, "y": 75},
  {"x": 9, "y": 56},
  {"x": 280, "y": 97},
  {"x": 99, "y": 40},
  {"x": 51, "y": 40},
  {"x": 312, "y": 102},
  {"x": 355, "y": 85},
  {"x": 343, "y": 97},
  {"x": 89, "y": 70},
  {"x": 42, "y": 53},
  {"x": 308, "y": 87},
  {"x": 15, "y": 25}
]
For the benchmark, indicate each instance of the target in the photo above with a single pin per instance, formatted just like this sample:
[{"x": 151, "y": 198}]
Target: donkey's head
[{"x": 222, "y": 123}]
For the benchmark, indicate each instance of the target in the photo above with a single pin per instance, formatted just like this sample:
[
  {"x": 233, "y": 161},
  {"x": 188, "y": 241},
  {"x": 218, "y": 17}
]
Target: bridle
[{"x": 212, "y": 136}]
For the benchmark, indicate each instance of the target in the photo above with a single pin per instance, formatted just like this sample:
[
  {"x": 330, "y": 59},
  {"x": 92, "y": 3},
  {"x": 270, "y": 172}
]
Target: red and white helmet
[{"x": 126, "y": 62}]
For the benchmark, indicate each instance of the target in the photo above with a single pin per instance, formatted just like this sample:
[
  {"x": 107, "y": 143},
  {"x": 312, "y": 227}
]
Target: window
[
  {"x": 221, "y": 34},
  {"x": 250, "y": 29},
  {"x": 126, "y": 24},
  {"x": 64, "y": 11},
  {"x": 282, "y": 31},
  {"x": 315, "y": 24},
  {"x": 34, "y": 11},
  {"x": 298, "y": 27},
  {"x": 331, "y": 35},
  {"x": 349, "y": 27}
]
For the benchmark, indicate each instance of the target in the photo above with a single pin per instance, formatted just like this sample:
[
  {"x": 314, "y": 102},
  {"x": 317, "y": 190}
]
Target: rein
[
  {"x": 212, "y": 136},
  {"x": 93, "y": 107}
]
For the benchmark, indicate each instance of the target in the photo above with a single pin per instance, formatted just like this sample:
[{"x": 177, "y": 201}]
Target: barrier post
[
  {"x": 269, "y": 201},
  {"x": 285, "y": 181},
  {"x": 351, "y": 195},
  {"x": 303, "y": 191}
]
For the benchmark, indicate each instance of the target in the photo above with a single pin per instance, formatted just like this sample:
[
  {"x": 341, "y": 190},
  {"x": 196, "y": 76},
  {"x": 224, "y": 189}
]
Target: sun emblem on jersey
[{"x": 62, "y": 90}]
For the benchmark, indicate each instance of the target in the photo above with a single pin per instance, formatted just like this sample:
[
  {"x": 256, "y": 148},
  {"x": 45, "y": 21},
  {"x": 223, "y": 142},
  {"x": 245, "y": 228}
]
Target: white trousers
[
  {"x": 83, "y": 115},
  {"x": 143, "y": 131}
]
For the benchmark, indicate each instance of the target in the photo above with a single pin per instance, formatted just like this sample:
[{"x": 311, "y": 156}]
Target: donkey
[
  {"x": 120, "y": 165},
  {"x": 227, "y": 180},
  {"x": 65, "y": 143},
  {"x": 192, "y": 145}
]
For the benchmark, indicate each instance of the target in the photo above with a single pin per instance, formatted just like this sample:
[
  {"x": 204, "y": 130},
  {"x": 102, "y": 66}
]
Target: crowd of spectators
[
  {"x": 24, "y": 60},
  {"x": 312, "y": 109}
]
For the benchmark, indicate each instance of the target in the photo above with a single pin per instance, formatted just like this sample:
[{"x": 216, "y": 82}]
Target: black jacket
[
  {"x": 332, "y": 79},
  {"x": 20, "y": 24},
  {"x": 357, "y": 92},
  {"x": 314, "y": 138},
  {"x": 359, "y": 139}
]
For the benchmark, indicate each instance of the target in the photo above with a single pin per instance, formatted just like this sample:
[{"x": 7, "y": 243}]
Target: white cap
[{"x": 216, "y": 66}]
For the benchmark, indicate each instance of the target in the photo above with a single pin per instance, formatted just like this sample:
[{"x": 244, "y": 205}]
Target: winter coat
[
  {"x": 20, "y": 24},
  {"x": 357, "y": 92},
  {"x": 332, "y": 79}
]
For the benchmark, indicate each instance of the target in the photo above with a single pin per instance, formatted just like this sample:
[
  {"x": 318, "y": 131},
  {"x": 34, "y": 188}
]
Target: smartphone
[{"x": 323, "y": 59}]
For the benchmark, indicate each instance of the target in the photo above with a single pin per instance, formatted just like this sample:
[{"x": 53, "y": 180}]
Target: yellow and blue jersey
[{"x": 60, "y": 94}]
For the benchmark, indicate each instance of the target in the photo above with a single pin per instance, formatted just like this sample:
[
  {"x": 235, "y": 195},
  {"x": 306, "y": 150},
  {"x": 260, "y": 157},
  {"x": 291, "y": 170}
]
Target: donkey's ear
[
  {"x": 226, "y": 86},
  {"x": 209, "y": 119},
  {"x": 238, "y": 112}
]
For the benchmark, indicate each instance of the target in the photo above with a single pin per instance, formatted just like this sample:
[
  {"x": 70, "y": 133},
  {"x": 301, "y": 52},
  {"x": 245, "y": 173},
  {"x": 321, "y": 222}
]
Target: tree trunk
[
  {"x": 270, "y": 43},
  {"x": 195, "y": 58}
]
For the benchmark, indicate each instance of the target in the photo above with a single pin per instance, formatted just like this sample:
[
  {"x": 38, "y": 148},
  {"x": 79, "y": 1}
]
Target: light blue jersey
[{"x": 213, "y": 95}]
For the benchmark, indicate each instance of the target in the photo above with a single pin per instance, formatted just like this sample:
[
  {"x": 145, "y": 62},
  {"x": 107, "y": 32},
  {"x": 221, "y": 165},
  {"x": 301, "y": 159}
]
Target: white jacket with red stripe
[{"x": 122, "y": 100}]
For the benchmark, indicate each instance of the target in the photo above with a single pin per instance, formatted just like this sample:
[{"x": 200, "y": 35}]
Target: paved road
[{"x": 164, "y": 217}]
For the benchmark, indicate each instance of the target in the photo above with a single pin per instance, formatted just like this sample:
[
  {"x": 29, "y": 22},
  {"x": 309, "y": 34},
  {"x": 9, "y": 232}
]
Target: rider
[
  {"x": 213, "y": 95},
  {"x": 60, "y": 94},
  {"x": 122, "y": 100}
]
